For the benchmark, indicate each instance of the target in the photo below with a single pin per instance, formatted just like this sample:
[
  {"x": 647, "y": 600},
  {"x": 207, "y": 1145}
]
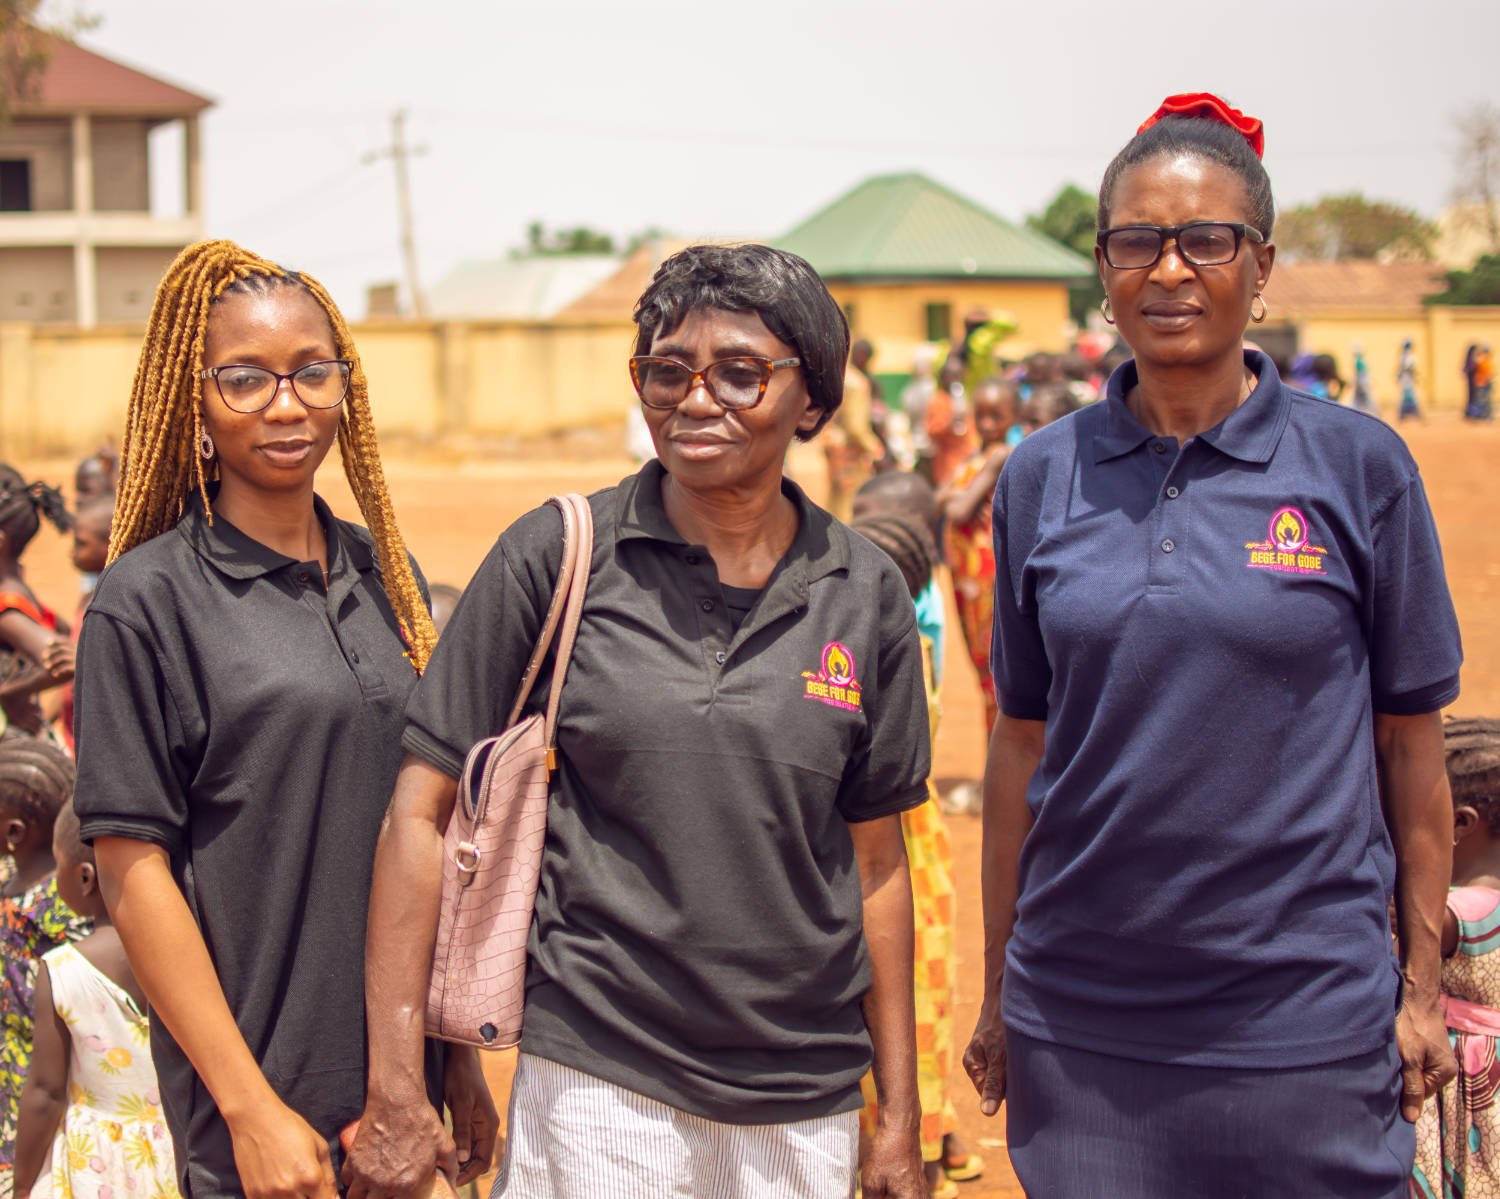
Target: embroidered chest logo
[
  {"x": 834, "y": 683},
  {"x": 1287, "y": 550}
]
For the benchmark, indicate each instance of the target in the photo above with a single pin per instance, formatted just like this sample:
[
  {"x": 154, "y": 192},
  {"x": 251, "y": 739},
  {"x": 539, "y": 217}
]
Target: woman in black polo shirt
[
  {"x": 742, "y": 725},
  {"x": 242, "y": 674},
  {"x": 1223, "y": 636}
]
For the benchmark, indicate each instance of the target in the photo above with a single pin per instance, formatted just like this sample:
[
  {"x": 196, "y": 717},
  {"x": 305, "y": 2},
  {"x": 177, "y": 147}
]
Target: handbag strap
[{"x": 564, "y": 611}]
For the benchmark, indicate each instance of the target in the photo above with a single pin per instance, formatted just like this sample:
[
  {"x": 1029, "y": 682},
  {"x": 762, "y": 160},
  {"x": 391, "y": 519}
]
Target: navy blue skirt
[{"x": 1083, "y": 1124}]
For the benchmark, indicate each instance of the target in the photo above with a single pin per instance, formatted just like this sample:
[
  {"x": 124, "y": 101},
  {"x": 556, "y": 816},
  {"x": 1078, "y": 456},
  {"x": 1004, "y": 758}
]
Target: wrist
[{"x": 245, "y": 1105}]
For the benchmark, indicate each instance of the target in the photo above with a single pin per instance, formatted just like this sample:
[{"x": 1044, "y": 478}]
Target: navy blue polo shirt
[{"x": 1207, "y": 629}]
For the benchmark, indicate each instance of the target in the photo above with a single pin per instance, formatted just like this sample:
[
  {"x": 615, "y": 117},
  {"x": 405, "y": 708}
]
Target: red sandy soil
[{"x": 452, "y": 507}]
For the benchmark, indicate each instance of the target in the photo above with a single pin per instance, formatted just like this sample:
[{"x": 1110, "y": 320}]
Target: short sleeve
[
  {"x": 1415, "y": 651},
  {"x": 1018, "y": 656},
  {"x": 888, "y": 772},
  {"x": 131, "y": 770},
  {"x": 470, "y": 683}
]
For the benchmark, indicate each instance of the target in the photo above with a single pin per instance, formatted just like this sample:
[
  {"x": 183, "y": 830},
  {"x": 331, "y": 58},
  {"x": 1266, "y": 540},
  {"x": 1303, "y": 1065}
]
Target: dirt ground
[{"x": 452, "y": 507}]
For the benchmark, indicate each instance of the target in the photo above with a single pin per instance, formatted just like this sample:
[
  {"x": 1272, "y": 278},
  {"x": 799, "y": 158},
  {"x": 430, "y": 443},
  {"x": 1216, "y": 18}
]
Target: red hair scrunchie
[{"x": 1206, "y": 104}]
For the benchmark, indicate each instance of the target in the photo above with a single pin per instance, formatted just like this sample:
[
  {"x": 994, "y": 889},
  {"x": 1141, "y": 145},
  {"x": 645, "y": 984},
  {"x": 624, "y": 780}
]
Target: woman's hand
[
  {"x": 1427, "y": 1062},
  {"x": 475, "y": 1121},
  {"x": 279, "y": 1156},
  {"x": 58, "y": 660},
  {"x": 893, "y": 1166},
  {"x": 985, "y": 1060},
  {"x": 398, "y": 1148}
]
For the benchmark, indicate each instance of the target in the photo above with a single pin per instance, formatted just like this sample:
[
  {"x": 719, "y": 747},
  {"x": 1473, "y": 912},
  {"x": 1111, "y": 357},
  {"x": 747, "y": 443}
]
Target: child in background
[
  {"x": 946, "y": 1161},
  {"x": 35, "y": 653},
  {"x": 91, "y": 525},
  {"x": 1047, "y": 404},
  {"x": 1458, "y": 1134},
  {"x": 968, "y": 544},
  {"x": 948, "y": 429},
  {"x": 36, "y": 779},
  {"x": 91, "y": 1121}
]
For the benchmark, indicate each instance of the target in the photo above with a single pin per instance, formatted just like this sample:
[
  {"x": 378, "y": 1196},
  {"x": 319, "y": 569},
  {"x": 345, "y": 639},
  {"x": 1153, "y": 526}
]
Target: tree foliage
[
  {"x": 541, "y": 242},
  {"x": 1351, "y": 226},
  {"x": 1070, "y": 219},
  {"x": 1478, "y": 285},
  {"x": 22, "y": 53},
  {"x": 1477, "y": 178}
]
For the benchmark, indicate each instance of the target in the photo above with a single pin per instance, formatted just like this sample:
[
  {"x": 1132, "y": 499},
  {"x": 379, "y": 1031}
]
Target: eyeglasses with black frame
[
  {"x": 248, "y": 389},
  {"x": 1200, "y": 243},
  {"x": 734, "y": 383}
]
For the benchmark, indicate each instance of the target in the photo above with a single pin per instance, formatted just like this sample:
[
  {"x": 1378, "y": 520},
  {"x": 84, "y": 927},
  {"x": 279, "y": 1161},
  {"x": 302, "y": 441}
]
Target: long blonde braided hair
[{"x": 161, "y": 465}]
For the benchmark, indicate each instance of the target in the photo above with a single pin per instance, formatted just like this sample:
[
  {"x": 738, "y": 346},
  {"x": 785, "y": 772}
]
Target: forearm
[
  {"x": 403, "y": 922},
  {"x": 41, "y": 1112},
  {"x": 171, "y": 961},
  {"x": 889, "y": 1005},
  {"x": 1419, "y": 815},
  {"x": 963, "y": 504},
  {"x": 1015, "y": 751}
]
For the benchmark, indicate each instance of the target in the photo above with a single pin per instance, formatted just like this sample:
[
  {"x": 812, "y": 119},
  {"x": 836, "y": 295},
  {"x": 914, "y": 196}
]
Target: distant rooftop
[
  {"x": 75, "y": 79},
  {"x": 910, "y": 227},
  {"x": 518, "y": 288},
  {"x": 614, "y": 297},
  {"x": 1348, "y": 286}
]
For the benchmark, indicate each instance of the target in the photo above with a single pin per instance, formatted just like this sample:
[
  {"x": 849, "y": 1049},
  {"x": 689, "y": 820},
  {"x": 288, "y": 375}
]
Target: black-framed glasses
[
  {"x": 734, "y": 383},
  {"x": 1201, "y": 243},
  {"x": 247, "y": 389}
]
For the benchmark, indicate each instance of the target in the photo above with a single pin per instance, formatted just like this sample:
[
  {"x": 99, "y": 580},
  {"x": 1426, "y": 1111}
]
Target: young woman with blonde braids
[{"x": 242, "y": 675}]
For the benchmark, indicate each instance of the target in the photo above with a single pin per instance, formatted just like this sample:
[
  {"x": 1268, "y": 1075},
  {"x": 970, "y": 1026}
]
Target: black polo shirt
[
  {"x": 236, "y": 714},
  {"x": 698, "y": 933}
]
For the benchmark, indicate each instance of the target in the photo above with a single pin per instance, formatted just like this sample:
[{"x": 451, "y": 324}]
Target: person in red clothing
[{"x": 35, "y": 653}]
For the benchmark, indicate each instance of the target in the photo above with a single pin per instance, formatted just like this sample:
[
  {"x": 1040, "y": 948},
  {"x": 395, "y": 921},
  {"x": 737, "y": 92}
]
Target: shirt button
[
  {"x": 1159, "y": 446},
  {"x": 720, "y": 657},
  {"x": 1172, "y": 493},
  {"x": 708, "y": 605},
  {"x": 304, "y": 577},
  {"x": 1168, "y": 546},
  {"x": 691, "y": 559}
]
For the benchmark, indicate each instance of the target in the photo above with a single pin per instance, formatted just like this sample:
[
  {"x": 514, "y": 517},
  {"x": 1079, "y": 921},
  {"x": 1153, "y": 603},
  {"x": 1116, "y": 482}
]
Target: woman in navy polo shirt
[{"x": 1223, "y": 635}]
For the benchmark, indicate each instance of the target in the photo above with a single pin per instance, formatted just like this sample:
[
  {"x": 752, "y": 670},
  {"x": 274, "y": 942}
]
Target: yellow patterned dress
[
  {"x": 1458, "y": 1135},
  {"x": 113, "y": 1142},
  {"x": 929, "y": 855}
]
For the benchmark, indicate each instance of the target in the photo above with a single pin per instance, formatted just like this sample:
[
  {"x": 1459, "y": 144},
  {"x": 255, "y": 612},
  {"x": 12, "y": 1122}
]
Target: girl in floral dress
[
  {"x": 36, "y": 779},
  {"x": 91, "y": 1117},
  {"x": 1458, "y": 1134}
]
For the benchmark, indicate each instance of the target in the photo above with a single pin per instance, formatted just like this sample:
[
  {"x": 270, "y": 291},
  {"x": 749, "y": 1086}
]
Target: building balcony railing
[{"x": 97, "y": 228}]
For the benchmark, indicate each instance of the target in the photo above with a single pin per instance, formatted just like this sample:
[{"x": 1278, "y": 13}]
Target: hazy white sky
[{"x": 706, "y": 118}]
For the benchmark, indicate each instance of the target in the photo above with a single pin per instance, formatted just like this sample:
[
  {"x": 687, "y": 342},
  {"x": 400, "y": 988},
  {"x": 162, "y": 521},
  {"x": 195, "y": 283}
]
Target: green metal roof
[{"x": 909, "y": 227}]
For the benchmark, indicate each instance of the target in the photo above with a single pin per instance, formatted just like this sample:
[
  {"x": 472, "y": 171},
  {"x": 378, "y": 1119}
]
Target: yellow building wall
[
  {"x": 894, "y": 315},
  {"x": 1439, "y": 335},
  {"x": 64, "y": 391}
]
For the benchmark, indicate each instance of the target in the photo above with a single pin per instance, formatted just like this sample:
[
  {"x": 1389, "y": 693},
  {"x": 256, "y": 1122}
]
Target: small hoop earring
[
  {"x": 1262, "y": 316},
  {"x": 1109, "y": 313},
  {"x": 205, "y": 446}
]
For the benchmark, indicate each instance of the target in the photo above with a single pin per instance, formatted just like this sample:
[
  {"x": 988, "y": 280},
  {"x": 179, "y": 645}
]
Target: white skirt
[{"x": 574, "y": 1136}]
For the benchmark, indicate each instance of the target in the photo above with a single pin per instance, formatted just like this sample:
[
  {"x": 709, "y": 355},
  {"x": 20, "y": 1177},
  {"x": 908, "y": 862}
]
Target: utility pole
[{"x": 399, "y": 153}]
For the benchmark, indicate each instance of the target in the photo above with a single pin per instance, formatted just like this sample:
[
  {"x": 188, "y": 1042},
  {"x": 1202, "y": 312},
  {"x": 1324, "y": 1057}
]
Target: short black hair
[
  {"x": 36, "y": 779},
  {"x": 1196, "y": 137},
  {"x": 781, "y": 288},
  {"x": 902, "y": 492},
  {"x": 1471, "y": 753},
  {"x": 905, "y": 541}
]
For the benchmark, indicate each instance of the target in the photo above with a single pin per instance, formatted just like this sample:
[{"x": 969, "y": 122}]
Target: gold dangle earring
[
  {"x": 1258, "y": 319},
  {"x": 1109, "y": 313}
]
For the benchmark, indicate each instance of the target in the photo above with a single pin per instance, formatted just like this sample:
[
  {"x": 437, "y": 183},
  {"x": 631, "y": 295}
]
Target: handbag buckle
[{"x": 466, "y": 856}]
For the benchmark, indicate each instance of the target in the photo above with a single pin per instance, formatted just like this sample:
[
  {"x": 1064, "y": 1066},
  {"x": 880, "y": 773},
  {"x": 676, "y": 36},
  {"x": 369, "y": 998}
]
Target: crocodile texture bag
[{"x": 492, "y": 851}]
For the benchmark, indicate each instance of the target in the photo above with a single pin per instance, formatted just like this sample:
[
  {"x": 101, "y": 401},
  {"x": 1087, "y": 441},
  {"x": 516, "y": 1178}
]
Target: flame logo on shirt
[
  {"x": 834, "y": 683},
  {"x": 1287, "y": 550}
]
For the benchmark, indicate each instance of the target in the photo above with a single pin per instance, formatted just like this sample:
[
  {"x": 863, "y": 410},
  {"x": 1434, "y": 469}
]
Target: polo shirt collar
[
  {"x": 1250, "y": 433},
  {"x": 239, "y": 556},
  {"x": 820, "y": 547}
]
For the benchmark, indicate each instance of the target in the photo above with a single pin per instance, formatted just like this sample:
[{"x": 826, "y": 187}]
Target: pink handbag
[{"x": 492, "y": 851}]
